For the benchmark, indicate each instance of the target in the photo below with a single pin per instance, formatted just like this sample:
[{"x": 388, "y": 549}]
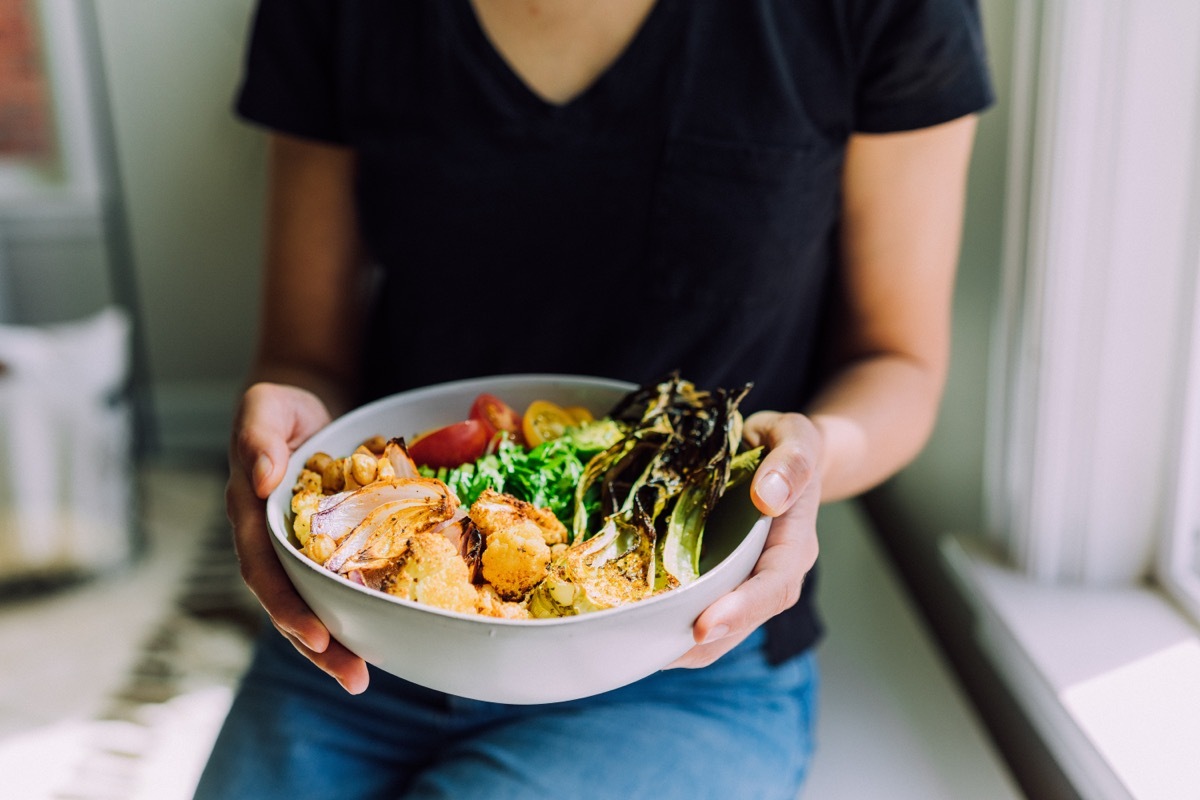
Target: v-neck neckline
[{"x": 630, "y": 56}]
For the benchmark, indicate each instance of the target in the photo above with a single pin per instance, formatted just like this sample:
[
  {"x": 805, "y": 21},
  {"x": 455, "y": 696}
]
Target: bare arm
[
  {"x": 312, "y": 311},
  {"x": 304, "y": 370},
  {"x": 904, "y": 197},
  {"x": 903, "y": 204}
]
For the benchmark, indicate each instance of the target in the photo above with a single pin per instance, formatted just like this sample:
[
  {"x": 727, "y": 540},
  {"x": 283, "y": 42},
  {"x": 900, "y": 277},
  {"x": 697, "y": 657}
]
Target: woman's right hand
[{"x": 272, "y": 421}]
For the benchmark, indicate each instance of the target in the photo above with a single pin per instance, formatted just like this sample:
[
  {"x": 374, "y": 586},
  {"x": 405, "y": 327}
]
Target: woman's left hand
[{"x": 787, "y": 487}]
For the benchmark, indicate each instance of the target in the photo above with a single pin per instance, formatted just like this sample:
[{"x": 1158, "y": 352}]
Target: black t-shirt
[{"x": 679, "y": 214}]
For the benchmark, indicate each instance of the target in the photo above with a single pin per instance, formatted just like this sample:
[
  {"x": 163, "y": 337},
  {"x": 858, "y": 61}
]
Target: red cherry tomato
[
  {"x": 497, "y": 415},
  {"x": 452, "y": 445}
]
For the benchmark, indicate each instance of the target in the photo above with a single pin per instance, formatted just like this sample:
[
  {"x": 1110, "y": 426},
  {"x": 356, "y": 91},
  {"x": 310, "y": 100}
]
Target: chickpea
[
  {"x": 319, "y": 547},
  {"x": 386, "y": 470},
  {"x": 332, "y": 477},
  {"x": 362, "y": 468},
  {"x": 375, "y": 444},
  {"x": 317, "y": 462}
]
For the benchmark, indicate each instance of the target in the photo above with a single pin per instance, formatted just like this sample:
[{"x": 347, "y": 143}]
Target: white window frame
[
  {"x": 1178, "y": 567},
  {"x": 1097, "y": 310},
  {"x": 1089, "y": 608}
]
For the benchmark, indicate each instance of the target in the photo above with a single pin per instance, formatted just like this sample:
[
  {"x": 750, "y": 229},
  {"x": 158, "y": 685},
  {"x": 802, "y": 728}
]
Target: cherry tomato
[
  {"x": 579, "y": 414},
  {"x": 496, "y": 414},
  {"x": 543, "y": 421},
  {"x": 451, "y": 445}
]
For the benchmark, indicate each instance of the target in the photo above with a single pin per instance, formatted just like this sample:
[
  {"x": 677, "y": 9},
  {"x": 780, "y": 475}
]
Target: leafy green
[
  {"x": 656, "y": 488},
  {"x": 546, "y": 475},
  {"x": 680, "y": 547},
  {"x": 634, "y": 490}
]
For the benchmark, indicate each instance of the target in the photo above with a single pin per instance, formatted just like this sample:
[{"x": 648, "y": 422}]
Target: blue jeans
[{"x": 738, "y": 728}]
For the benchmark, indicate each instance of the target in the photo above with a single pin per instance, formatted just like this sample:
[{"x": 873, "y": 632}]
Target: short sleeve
[
  {"x": 919, "y": 63},
  {"x": 290, "y": 77}
]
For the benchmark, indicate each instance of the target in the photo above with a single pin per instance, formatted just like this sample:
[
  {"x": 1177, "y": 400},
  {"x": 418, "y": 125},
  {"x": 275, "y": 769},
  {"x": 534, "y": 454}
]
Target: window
[
  {"x": 1179, "y": 558},
  {"x": 47, "y": 148},
  {"x": 1088, "y": 481},
  {"x": 25, "y": 114},
  {"x": 1093, "y": 473}
]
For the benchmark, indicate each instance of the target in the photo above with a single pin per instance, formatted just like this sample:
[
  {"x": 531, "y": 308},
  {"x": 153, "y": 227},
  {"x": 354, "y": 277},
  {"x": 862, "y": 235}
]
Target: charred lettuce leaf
[{"x": 651, "y": 493}]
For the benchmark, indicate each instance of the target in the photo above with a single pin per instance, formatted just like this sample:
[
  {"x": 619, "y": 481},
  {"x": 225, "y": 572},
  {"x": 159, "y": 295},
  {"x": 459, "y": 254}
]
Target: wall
[
  {"x": 942, "y": 490},
  {"x": 42, "y": 254},
  {"x": 192, "y": 180}
]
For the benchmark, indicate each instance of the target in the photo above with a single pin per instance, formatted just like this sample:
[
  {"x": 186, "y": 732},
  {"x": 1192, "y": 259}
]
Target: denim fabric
[{"x": 739, "y": 728}]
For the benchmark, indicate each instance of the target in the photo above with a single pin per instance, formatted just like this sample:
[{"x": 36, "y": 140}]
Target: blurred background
[
  {"x": 129, "y": 225},
  {"x": 130, "y": 208},
  {"x": 127, "y": 182}
]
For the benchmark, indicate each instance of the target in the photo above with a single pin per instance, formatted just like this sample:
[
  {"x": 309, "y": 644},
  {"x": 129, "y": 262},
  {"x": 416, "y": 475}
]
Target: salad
[{"x": 550, "y": 512}]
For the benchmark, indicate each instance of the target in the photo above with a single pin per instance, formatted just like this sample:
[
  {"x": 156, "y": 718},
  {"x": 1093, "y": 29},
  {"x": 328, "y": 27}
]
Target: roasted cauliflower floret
[
  {"x": 431, "y": 571},
  {"x": 516, "y": 552},
  {"x": 515, "y": 559},
  {"x": 491, "y": 604},
  {"x": 494, "y": 511},
  {"x": 306, "y": 494},
  {"x": 308, "y": 482}
]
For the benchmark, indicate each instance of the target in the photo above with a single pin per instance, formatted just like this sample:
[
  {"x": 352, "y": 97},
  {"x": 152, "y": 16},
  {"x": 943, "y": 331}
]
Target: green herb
[{"x": 545, "y": 476}]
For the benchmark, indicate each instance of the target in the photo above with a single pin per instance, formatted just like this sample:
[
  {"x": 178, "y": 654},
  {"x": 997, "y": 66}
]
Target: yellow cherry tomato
[
  {"x": 579, "y": 414},
  {"x": 544, "y": 421}
]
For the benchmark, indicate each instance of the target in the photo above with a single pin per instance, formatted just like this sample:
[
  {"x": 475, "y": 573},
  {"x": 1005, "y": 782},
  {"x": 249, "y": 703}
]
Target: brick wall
[{"x": 25, "y": 109}]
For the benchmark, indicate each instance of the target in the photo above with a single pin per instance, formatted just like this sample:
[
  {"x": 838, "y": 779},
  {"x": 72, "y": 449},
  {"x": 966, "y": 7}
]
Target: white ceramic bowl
[{"x": 508, "y": 661}]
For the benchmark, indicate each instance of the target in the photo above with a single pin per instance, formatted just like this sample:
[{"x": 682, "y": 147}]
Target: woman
[{"x": 766, "y": 191}]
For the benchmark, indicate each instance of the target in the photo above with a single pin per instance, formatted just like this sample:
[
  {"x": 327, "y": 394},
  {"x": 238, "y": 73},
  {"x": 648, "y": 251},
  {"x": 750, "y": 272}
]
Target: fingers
[
  {"x": 262, "y": 572},
  {"x": 271, "y": 422},
  {"x": 346, "y": 668},
  {"x": 793, "y": 447},
  {"x": 266, "y": 579},
  {"x": 775, "y": 586},
  {"x": 705, "y": 654},
  {"x": 786, "y": 486},
  {"x": 259, "y": 442}
]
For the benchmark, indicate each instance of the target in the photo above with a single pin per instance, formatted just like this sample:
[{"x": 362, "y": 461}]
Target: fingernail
[
  {"x": 773, "y": 490},
  {"x": 300, "y": 638},
  {"x": 262, "y": 468},
  {"x": 309, "y": 643},
  {"x": 352, "y": 686},
  {"x": 719, "y": 632}
]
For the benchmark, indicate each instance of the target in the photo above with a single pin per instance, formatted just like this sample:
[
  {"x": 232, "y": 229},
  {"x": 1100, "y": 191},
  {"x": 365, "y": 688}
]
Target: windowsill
[{"x": 1110, "y": 677}]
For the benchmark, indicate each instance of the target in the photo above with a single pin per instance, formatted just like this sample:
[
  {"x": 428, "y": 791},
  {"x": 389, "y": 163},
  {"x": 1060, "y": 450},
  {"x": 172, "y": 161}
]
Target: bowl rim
[{"x": 276, "y": 516}]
